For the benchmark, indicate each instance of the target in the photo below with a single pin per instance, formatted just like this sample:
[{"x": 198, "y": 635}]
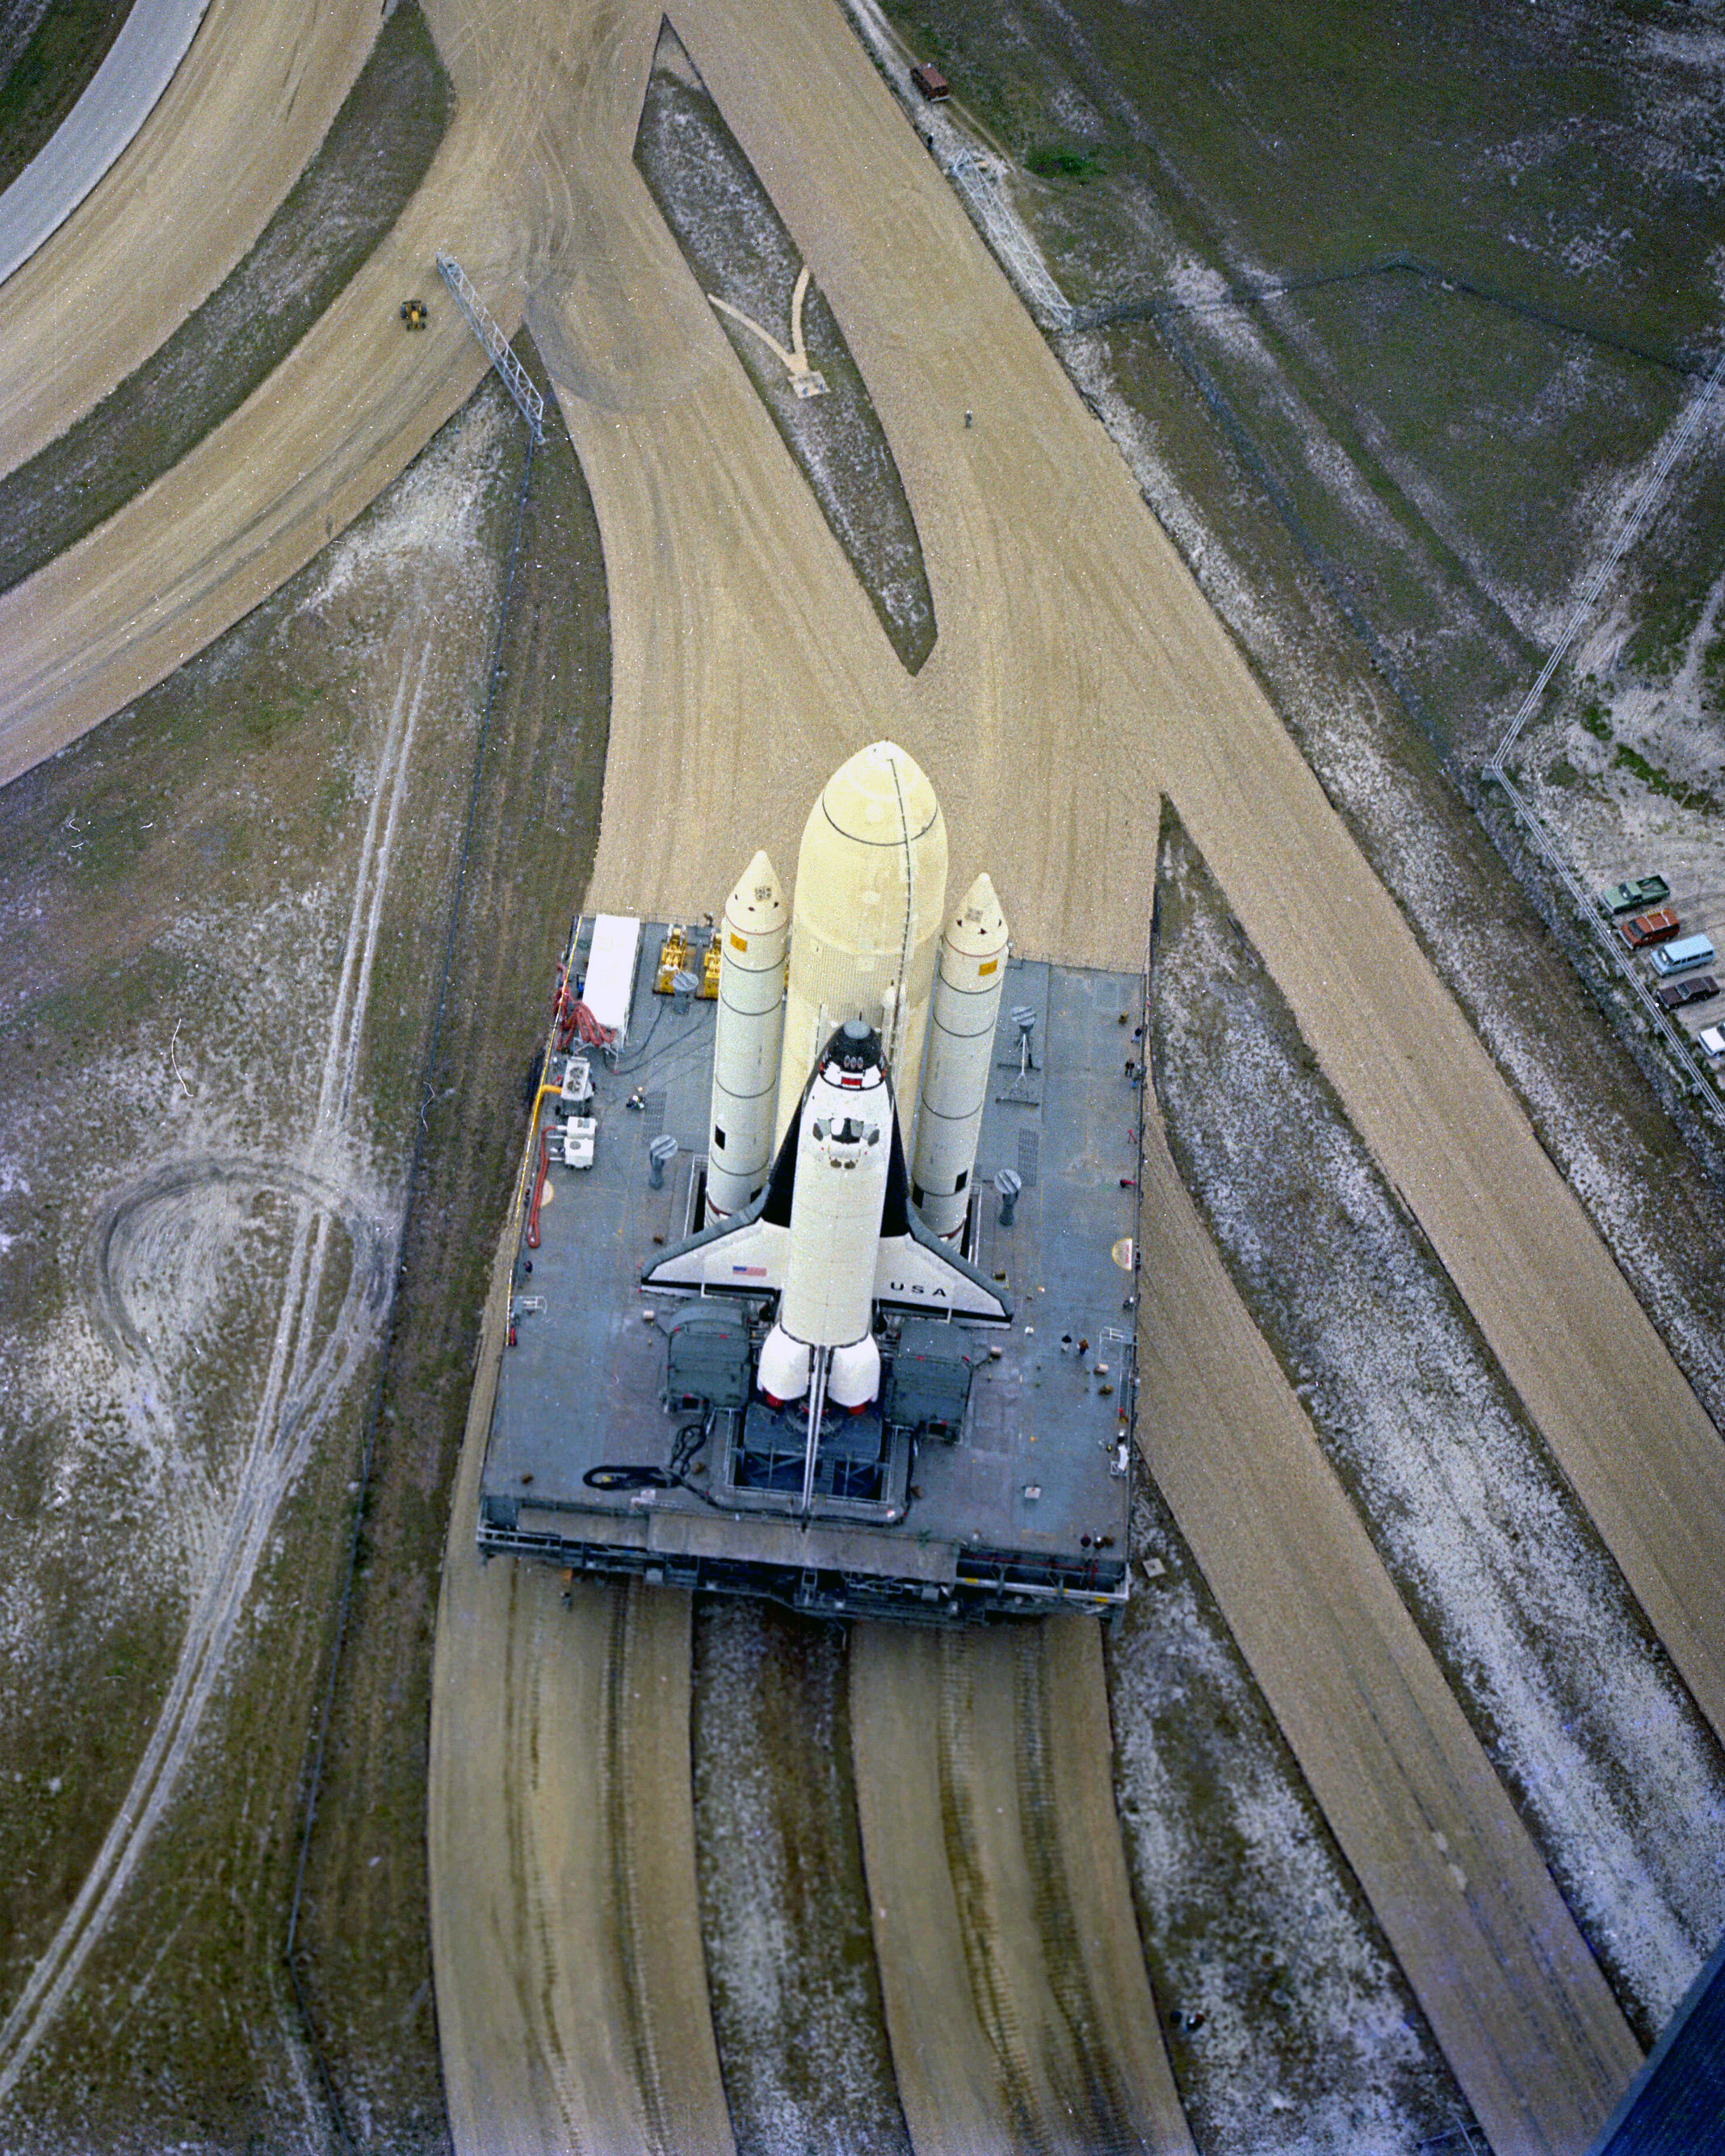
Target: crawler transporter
[{"x": 825, "y": 1281}]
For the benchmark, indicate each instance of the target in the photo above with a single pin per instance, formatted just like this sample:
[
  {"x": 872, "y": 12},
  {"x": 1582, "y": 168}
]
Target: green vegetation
[
  {"x": 1712, "y": 677},
  {"x": 366, "y": 1936},
  {"x": 377, "y": 151},
  {"x": 970, "y": 66},
  {"x": 1670, "y": 617},
  {"x": 1450, "y": 328},
  {"x": 1595, "y": 721},
  {"x": 185, "y": 873},
  {"x": 1661, "y": 782},
  {"x": 1061, "y": 161},
  {"x": 51, "y": 74}
]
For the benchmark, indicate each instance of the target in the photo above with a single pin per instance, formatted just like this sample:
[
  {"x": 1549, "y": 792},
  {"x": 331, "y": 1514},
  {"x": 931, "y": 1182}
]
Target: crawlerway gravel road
[{"x": 1078, "y": 673}]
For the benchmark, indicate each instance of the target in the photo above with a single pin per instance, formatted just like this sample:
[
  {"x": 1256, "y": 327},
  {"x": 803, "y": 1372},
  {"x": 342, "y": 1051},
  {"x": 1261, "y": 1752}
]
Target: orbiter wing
[{"x": 748, "y": 1255}]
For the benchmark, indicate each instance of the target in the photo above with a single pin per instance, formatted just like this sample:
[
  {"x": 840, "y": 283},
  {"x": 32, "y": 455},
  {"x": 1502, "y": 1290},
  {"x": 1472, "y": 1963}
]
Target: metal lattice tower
[
  {"x": 1010, "y": 242},
  {"x": 479, "y": 320}
]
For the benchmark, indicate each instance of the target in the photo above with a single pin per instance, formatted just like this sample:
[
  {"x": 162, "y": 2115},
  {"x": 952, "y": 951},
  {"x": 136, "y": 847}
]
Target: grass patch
[
  {"x": 51, "y": 74},
  {"x": 379, "y": 148},
  {"x": 1661, "y": 782},
  {"x": 1670, "y": 616},
  {"x": 179, "y": 885},
  {"x": 366, "y": 1936},
  {"x": 1498, "y": 336},
  {"x": 1065, "y": 161},
  {"x": 1712, "y": 677},
  {"x": 978, "y": 81}
]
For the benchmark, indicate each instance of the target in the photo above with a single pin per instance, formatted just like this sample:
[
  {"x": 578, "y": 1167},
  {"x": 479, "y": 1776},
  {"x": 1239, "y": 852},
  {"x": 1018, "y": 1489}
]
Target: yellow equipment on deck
[
  {"x": 673, "y": 959},
  {"x": 689, "y": 951}
]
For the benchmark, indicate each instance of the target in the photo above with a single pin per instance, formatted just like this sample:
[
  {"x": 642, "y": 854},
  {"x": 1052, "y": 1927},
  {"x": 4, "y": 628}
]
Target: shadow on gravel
[{"x": 377, "y": 151}]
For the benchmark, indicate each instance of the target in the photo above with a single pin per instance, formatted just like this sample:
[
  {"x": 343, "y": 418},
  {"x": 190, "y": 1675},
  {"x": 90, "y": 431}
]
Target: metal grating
[{"x": 1030, "y": 1153}]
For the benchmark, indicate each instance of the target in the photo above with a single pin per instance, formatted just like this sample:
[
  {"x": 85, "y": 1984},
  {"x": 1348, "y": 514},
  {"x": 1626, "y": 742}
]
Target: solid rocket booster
[
  {"x": 870, "y": 895},
  {"x": 960, "y": 1048},
  {"x": 747, "y": 1032},
  {"x": 844, "y": 1147}
]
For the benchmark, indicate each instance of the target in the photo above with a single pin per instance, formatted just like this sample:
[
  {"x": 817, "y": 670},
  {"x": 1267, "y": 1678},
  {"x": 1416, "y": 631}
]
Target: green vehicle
[{"x": 1631, "y": 897}]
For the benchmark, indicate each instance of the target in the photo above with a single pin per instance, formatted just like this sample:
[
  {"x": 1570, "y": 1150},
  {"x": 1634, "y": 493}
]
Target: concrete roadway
[
  {"x": 248, "y": 106},
  {"x": 1078, "y": 674},
  {"x": 118, "y": 99}
]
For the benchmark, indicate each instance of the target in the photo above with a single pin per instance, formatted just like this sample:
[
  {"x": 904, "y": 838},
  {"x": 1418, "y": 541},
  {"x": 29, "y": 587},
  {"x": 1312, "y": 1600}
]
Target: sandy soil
[
  {"x": 571, "y": 1993},
  {"x": 1078, "y": 671},
  {"x": 1001, "y": 1911}
]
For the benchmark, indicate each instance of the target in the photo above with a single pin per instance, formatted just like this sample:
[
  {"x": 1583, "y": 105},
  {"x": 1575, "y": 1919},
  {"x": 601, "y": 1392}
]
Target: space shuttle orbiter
[{"x": 809, "y": 1195}]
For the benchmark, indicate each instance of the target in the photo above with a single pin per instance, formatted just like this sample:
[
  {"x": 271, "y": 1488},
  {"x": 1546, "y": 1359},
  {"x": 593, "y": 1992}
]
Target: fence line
[{"x": 1626, "y": 538}]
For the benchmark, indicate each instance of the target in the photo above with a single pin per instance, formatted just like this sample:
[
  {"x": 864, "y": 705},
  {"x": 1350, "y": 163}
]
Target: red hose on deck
[
  {"x": 539, "y": 1188},
  {"x": 592, "y": 1032}
]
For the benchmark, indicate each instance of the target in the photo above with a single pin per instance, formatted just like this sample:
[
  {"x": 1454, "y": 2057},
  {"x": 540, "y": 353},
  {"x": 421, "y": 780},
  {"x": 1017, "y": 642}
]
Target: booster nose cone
[
  {"x": 757, "y": 906},
  {"x": 871, "y": 887},
  {"x": 979, "y": 928}
]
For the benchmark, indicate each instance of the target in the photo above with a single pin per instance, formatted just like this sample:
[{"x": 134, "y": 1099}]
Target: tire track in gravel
[
  {"x": 571, "y": 1993},
  {"x": 1017, "y": 2003},
  {"x": 309, "y": 1366},
  {"x": 784, "y": 1912}
]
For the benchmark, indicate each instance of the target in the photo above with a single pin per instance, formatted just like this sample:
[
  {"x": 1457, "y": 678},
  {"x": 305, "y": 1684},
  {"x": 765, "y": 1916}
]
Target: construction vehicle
[{"x": 413, "y": 314}]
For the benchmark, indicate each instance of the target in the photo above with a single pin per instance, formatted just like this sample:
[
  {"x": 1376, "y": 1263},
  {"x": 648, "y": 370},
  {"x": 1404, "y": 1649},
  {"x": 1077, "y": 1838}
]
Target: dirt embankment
[
  {"x": 226, "y": 922},
  {"x": 535, "y": 827}
]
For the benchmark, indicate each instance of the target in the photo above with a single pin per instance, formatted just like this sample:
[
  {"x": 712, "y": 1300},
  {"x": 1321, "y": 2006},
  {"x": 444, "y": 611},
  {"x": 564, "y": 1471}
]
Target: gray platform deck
[{"x": 1027, "y": 1511}]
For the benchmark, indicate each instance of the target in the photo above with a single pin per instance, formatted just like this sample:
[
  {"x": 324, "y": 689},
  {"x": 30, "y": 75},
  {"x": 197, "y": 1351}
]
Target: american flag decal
[{"x": 749, "y": 1272}]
